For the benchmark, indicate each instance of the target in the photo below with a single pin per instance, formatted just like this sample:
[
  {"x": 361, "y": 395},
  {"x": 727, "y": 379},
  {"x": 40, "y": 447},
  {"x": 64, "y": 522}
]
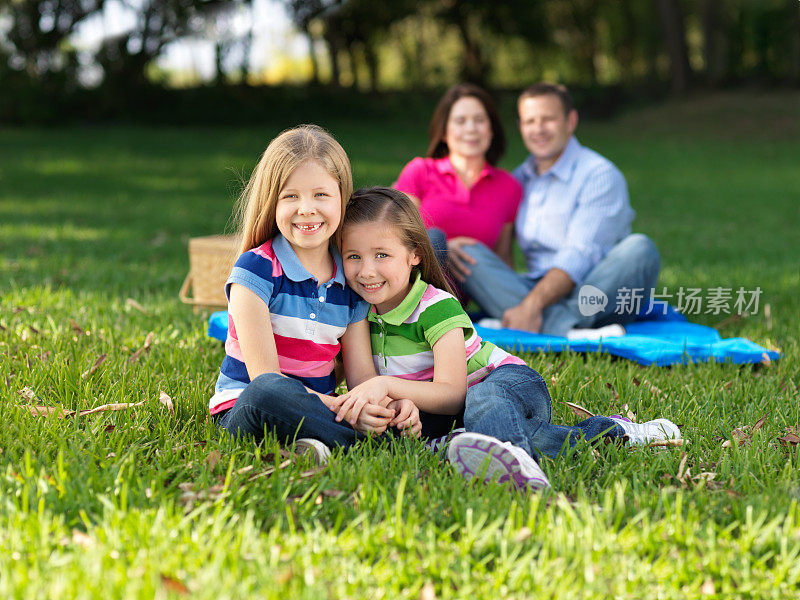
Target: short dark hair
[
  {"x": 437, "y": 147},
  {"x": 549, "y": 89}
]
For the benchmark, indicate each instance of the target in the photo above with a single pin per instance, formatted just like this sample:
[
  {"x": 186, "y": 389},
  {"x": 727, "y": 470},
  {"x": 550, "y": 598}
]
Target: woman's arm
[{"x": 444, "y": 395}]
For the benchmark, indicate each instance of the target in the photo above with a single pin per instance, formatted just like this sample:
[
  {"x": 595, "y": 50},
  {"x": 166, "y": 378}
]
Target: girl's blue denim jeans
[
  {"x": 282, "y": 405},
  {"x": 512, "y": 404}
]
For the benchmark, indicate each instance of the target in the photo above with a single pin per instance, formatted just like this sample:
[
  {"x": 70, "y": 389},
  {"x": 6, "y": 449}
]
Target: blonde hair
[
  {"x": 387, "y": 205},
  {"x": 255, "y": 208}
]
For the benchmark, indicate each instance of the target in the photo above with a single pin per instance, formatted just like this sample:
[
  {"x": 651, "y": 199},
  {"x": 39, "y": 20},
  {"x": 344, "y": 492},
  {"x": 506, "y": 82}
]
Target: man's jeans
[
  {"x": 512, "y": 404},
  {"x": 633, "y": 263}
]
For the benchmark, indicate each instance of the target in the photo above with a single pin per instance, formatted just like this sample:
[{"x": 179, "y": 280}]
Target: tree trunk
[
  {"x": 371, "y": 58},
  {"x": 674, "y": 30},
  {"x": 312, "y": 55},
  {"x": 715, "y": 53},
  {"x": 474, "y": 68},
  {"x": 332, "y": 42},
  {"x": 793, "y": 75},
  {"x": 218, "y": 75}
]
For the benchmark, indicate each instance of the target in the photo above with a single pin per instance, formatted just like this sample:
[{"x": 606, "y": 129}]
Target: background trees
[{"x": 675, "y": 45}]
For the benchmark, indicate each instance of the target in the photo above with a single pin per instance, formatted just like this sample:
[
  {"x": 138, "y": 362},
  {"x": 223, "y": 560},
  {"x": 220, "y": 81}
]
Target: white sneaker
[
  {"x": 608, "y": 331},
  {"x": 477, "y": 454},
  {"x": 651, "y": 431},
  {"x": 318, "y": 451}
]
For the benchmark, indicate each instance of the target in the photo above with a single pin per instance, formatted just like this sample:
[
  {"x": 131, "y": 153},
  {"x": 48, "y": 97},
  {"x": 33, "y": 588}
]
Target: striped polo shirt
[
  {"x": 307, "y": 319},
  {"x": 402, "y": 339}
]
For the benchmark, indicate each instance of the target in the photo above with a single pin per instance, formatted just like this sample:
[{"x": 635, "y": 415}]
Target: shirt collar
[
  {"x": 563, "y": 167},
  {"x": 445, "y": 166},
  {"x": 294, "y": 269},
  {"x": 402, "y": 311}
]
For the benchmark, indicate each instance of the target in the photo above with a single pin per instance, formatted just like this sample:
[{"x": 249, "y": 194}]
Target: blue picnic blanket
[{"x": 662, "y": 336}]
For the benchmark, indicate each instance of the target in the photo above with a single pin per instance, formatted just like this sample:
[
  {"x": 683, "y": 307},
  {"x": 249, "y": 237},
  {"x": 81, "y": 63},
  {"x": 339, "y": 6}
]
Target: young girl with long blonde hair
[{"x": 290, "y": 309}]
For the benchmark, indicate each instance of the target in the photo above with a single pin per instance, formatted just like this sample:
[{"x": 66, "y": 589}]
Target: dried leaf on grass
[
  {"x": 428, "y": 592},
  {"x": 706, "y": 478},
  {"x": 148, "y": 341},
  {"x": 41, "y": 410},
  {"x": 791, "y": 438},
  {"x": 166, "y": 401},
  {"x": 708, "y": 588},
  {"x": 213, "y": 458},
  {"x": 27, "y": 393},
  {"x": 130, "y": 302},
  {"x": 613, "y": 390},
  {"x": 670, "y": 443},
  {"x": 82, "y": 539},
  {"x": 62, "y": 412},
  {"x": 73, "y": 324},
  {"x": 579, "y": 410},
  {"x": 743, "y": 435},
  {"x": 629, "y": 413},
  {"x": 270, "y": 470},
  {"x": 653, "y": 389},
  {"x": 100, "y": 360},
  {"x": 174, "y": 585}
]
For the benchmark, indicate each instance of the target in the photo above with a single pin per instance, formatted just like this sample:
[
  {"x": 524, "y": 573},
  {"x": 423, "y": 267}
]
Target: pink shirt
[{"x": 445, "y": 202}]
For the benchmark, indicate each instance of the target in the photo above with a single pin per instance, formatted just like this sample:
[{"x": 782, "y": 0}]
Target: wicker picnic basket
[{"x": 210, "y": 261}]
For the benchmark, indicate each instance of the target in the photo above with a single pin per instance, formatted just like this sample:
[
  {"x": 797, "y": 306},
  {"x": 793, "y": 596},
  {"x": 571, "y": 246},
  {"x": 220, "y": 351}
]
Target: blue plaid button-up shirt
[{"x": 572, "y": 215}]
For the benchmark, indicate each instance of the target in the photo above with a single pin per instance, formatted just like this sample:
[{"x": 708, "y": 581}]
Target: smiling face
[
  {"x": 309, "y": 207},
  {"x": 468, "y": 132},
  {"x": 377, "y": 265},
  {"x": 545, "y": 128}
]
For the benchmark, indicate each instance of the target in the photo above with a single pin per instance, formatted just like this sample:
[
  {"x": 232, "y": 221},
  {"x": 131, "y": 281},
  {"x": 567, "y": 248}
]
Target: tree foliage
[{"x": 415, "y": 44}]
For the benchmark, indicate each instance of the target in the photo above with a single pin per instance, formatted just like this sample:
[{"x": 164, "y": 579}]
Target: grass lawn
[{"x": 150, "y": 503}]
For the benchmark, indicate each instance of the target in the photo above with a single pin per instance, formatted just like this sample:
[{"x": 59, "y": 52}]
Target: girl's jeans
[
  {"x": 512, "y": 404},
  {"x": 284, "y": 406}
]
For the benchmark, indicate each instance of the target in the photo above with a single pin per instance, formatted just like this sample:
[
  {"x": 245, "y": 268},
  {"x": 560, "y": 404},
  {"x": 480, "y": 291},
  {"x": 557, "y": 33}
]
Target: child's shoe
[
  {"x": 316, "y": 449},
  {"x": 651, "y": 431},
  {"x": 438, "y": 444},
  {"x": 470, "y": 453}
]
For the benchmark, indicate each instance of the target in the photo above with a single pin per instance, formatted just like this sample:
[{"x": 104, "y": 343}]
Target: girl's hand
[
  {"x": 374, "y": 419},
  {"x": 406, "y": 418},
  {"x": 372, "y": 391}
]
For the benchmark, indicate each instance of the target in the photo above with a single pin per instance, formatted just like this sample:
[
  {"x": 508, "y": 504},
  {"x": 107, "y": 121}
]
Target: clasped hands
[{"x": 369, "y": 409}]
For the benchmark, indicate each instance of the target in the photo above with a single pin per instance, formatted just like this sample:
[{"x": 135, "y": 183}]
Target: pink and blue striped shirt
[{"x": 307, "y": 319}]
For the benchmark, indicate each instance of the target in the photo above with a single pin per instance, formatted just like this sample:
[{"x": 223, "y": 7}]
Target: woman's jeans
[
  {"x": 512, "y": 404},
  {"x": 284, "y": 406}
]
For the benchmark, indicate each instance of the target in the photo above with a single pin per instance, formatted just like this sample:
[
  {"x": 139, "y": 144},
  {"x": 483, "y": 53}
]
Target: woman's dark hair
[
  {"x": 438, "y": 148},
  {"x": 394, "y": 208}
]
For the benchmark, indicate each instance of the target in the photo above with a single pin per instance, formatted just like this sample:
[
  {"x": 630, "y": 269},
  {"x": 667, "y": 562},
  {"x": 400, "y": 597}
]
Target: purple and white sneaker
[
  {"x": 641, "y": 434},
  {"x": 485, "y": 456}
]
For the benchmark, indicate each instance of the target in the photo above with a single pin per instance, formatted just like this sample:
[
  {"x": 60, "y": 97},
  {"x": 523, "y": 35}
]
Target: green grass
[{"x": 145, "y": 503}]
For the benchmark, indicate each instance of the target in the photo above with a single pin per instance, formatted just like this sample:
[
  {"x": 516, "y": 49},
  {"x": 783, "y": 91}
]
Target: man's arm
[
  {"x": 527, "y": 315},
  {"x": 601, "y": 218}
]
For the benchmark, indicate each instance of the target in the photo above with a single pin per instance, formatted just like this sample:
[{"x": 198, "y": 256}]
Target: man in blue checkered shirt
[{"x": 574, "y": 228}]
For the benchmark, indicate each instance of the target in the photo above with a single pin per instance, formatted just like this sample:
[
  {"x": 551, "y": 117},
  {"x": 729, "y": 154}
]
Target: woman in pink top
[{"x": 462, "y": 196}]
